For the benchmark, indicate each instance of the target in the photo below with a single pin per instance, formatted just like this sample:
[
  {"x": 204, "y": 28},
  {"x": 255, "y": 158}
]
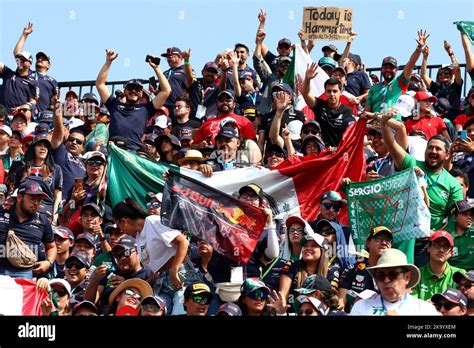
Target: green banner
[
  {"x": 467, "y": 28},
  {"x": 395, "y": 202},
  {"x": 129, "y": 175}
]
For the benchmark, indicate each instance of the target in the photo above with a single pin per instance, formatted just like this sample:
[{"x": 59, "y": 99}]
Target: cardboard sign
[{"x": 327, "y": 23}]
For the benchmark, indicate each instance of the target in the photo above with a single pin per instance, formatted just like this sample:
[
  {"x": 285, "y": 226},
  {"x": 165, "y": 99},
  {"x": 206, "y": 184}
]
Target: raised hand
[
  {"x": 426, "y": 52},
  {"x": 28, "y": 29},
  {"x": 311, "y": 71},
  {"x": 422, "y": 37},
  {"x": 260, "y": 36},
  {"x": 262, "y": 16},
  {"x": 186, "y": 55},
  {"x": 285, "y": 133},
  {"x": 110, "y": 55},
  {"x": 447, "y": 47},
  {"x": 352, "y": 35},
  {"x": 300, "y": 34},
  {"x": 233, "y": 58}
]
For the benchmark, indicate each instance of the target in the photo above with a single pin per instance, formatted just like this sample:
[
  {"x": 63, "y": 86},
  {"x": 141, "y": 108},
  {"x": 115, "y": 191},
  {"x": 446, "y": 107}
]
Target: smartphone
[
  {"x": 79, "y": 184},
  {"x": 462, "y": 134},
  {"x": 154, "y": 60}
]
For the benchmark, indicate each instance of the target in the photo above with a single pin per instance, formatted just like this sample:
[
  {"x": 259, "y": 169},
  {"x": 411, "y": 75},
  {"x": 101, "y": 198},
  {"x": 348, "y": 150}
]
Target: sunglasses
[
  {"x": 249, "y": 196},
  {"x": 134, "y": 294},
  {"x": 134, "y": 88},
  {"x": 125, "y": 254},
  {"x": 21, "y": 59},
  {"x": 327, "y": 232},
  {"x": 447, "y": 305},
  {"x": 201, "y": 299},
  {"x": 19, "y": 121},
  {"x": 306, "y": 312},
  {"x": 257, "y": 295},
  {"x": 76, "y": 265},
  {"x": 296, "y": 230},
  {"x": 392, "y": 275},
  {"x": 95, "y": 163},
  {"x": 312, "y": 131},
  {"x": 465, "y": 285},
  {"x": 335, "y": 207},
  {"x": 383, "y": 240},
  {"x": 77, "y": 141},
  {"x": 276, "y": 154},
  {"x": 154, "y": 205},
  {"x": 60, "y": 292}
]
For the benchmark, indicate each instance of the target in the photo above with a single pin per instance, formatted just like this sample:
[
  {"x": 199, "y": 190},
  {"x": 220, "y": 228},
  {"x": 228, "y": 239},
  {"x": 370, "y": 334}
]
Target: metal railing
[{"x": 89, "y": 86}]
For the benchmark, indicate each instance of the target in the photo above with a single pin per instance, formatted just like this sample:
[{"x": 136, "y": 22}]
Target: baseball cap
[
  {"x": 245, "y": 75},
  {"x": 93, "y": 154},
  {"x": 311, "y": 300},
  {"x": 390, "y": 60},
  {"x": 255, "y": 188},
  {"x": 134, "y": 82},
  {"x": 84, "y": 304},
  {"x": 63, "y": 232},
  {"x": 451, "y": 295},
  {"x": 275, "y": 148},
  {"x": 377, "y": 230},
  {"x": 329, "y": 48},
  {"x": 163, "y": 122},
  {"x": 72, "y": 92},
  {"x": 231, "y": 309},
  {"x": 61, "y": 282},
  {"x": 104, "y": 111},
  {"x": 423, "y": 96},
  {"x": 170, "y": 51},
  {"x": 91, "y": 97},
  {"x": 197, "y": 289},
  {"x": 81, "y": 257},
  {"x": 355, "y": 58},
  {"x": 284, "y": 59},
  {"x": 295, "y": 129},
  {"x": 127, "y": 243},
  {"x": 293, "y": 219},
  {"x": 333, "y": 196},
  {"x": 21, "y": 115},
  {"x": 26, "y": 55},
  {"x": 442, "y": 234},
  {"x": 151, "y": 195},
  {"x": 31, "y": 187},
  {"x": 211, "y": 66},
  {"x": 283, "y": 87},
  {"x": 314, "y": 282},
  {"x": 319, "y": 239},
  {"x": 42, "y": 54},
  {"x": 92, "y": 206},
  {"x": 327, "y": 61},
  {"x": 458, "y": 276},
  {"x": 164, "y": 111},
  {"x": 228, "y": 92},
  {"x": 172, "y": 139},
  {"x": 119, "y": 141},
  {"x": 341, "y": 69},
  {"x": 228, "y": 132},
  {"x": 41, "y": 128},
  {"x": 158, "y": 300},
  {"x": 6, "y": 129},
  {"x": 405, "y": 104},
  {"x": 252, "y": 284},
  {"x": 87, "y": 237},
  {"x": 323, "y": 222},
  {"x": 313, "y": 123},
  {"x": 284, "y": 41}
]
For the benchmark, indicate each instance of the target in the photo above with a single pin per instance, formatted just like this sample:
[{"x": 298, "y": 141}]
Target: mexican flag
[
  {"x": 467, "y": 28},
  {"x": 20, "y": 297},
  {"x": 296, "y": 185}
]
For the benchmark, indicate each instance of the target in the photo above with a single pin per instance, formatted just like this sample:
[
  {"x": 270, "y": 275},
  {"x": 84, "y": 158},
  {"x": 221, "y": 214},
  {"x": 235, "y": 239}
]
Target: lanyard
[
  {"x": 380, "y": 165},
  {"x": 253, "y": 97},
  {"x": 268, "y": 269},
  {"x": 432, "y": 183},
  {"x": 385, "y": 308}
]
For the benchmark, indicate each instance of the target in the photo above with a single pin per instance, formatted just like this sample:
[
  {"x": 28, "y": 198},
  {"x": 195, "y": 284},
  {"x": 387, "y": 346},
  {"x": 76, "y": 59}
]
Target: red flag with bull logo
[{"x": 231, "y": 226}]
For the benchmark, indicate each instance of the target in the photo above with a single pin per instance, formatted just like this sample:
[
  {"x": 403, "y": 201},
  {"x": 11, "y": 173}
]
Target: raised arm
[
  {"x": 426, "y": 79},
  {"x": 310, "y": 74},
  {"x": 58, "y": 131},
  {"x": 421, "y": 41},
  {"x": 27, "y": 30},
  {"x": 235, "y": 74},
  {"x": 401, "y": 135},
  {"x": 466, "y": 44},
  {"x": 188, "y": 69},
  {"x": 262, "y": 17},
  {"x": 396, "y": 151},
  {"x": 104, "y": 93},
  {"x": 165, "y": 88},
  {"x": 454, "y": 62},
  {"x": 274, "y": 133},
  {"x": 347, "y": 49},
  {"x": 258, "y": 62}
]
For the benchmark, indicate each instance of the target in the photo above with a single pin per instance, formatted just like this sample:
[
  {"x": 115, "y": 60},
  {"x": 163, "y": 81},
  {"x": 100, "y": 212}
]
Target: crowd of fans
[{"x": 98, "y": 259}]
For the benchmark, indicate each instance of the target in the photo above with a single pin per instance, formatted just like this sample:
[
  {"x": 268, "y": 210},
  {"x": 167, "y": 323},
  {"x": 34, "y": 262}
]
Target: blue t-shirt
[
  {"x": 72, "y": 167},
  {"x": 47, "y": 87},
  {"x": 176, "y": 78},
  {"x": 357, "y": 82},
  {"x": 17, "y": 90},
  {"x": 129, "y": 120}
]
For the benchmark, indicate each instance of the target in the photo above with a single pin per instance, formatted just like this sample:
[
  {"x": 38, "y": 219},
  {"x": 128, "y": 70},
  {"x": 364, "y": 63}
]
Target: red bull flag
[{"x": 231, "y": 226}]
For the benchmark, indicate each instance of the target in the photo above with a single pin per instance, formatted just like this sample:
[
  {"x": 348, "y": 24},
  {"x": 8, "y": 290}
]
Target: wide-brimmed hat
[
  {"x": 191, "y": 155},
  {"x": 392, "y": 258},
  {"x": 142, "y": 286}
]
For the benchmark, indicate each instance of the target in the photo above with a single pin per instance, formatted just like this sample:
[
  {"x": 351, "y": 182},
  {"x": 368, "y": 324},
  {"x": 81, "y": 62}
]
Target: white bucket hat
[
  {"x": 392, "y": 258},
  {"x": 228, "y": 292}
]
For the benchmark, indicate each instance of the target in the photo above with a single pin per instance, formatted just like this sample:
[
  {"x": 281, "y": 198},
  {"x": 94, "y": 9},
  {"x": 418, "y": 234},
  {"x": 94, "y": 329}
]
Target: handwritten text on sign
[{"x": 327, "y": 23}]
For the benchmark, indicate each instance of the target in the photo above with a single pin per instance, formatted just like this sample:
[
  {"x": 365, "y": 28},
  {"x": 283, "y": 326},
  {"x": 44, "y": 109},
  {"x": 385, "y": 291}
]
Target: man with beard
[
  {"x": 225, "y": 108},
  {"x": 443, "y": 189},
  {"x": 203, "y": 93},
  {"x": 182, "y": 110},
  {"x": 129, "y": 119},
  {"x": 125, "y": 255},
  {"x": 31, "y": 227},
  {"x": 239, "y": 58},
  {"x": 48, "y": 86},
  {"x": 384, "y": 95}
]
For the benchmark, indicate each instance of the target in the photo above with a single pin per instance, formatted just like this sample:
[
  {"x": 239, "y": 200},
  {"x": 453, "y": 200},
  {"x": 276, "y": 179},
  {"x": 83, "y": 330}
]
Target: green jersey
[
  {"x": 384, "y": 96},
  {"x": 463, "y": 251},
  {"x": 431, "y": 283},
  {"x": 443, "y": 190}
]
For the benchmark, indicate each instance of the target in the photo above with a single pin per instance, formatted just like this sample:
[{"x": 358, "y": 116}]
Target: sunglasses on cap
[
  {"x": 447, "y": 305},
  {"x": 154, "y": 205},
  {"x": 312, "y": 131},
  {"x": 328, "y": 205},
  {"x": 201, "y": 299},
  {"x": 76, "y": 265},
  {"x": 392, "y": 275},
  {"x": 76, "y": 140},
  {"x": 306, "y": 312},
  {"x": 127, "y": 253},
  {"x": 96, "y": 163},
  {"x": 257, "y": 295},
  {"x": 134, "y": 294}
]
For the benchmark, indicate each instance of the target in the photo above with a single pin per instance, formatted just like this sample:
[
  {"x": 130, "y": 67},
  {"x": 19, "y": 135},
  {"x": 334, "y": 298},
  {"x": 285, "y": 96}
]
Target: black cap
[
  {"x": 228, "y": 132},
  {"x": 88, "y": 237},
  {"x": 81, "y": 257},
  {"x": 172, "y": 138},
  {"x": 377, "y": 230},
  {"x": 390, "y": 60},
  {"x": 254, "y": 188},
  {"x": 228, "y": 92},
  {"x": 31, "y": 187},
  {"x": 121, "y": 142},
  {"x": 171, "y": 50},
  {"x": 275, "y": 148},
  {"x": 329, "y": 48},
  {"x": 283, "y": 87},
  {"x": 85, "y": 304},
  {"x": 91, "y": 97},
  {"x": 127, "y": 242},
  {"x": 134, "y": 82},
  {"x": 211, "y": 66},
  {"x": 284, "y": 41},
  {"x": 42, "y": 54},
  {"x": 92, "y": 206},
  {"x": 313, "y": 123}
]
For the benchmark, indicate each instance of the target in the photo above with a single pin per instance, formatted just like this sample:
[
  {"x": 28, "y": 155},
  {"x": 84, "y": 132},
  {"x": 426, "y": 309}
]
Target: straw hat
[
  {"x": 191, "y": 155},
  {"x": 392, "y": 258},
  {"x": 142, "y": 286}
]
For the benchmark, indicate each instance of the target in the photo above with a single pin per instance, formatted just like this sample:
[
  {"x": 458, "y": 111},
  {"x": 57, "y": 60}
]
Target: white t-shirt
[
  {"x": 408, "y": 306},
  {"x": 416, "y": 147},
  {"x": 155, "y": 243}
]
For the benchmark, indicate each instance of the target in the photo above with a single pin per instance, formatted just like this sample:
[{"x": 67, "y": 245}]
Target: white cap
[
  {"x": 159, "y": 197},
  {"x": 295, "y": 129},
  {"x": 6, "y": 129},
  {"x": 162, "y": 121},
  {"x": 26, "y": 55},
  {"x": 405, "y": 105},
  {"x": 61, "y": 282}
]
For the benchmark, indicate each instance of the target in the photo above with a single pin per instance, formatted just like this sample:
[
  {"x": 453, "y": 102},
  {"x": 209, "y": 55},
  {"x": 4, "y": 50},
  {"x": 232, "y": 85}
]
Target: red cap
[
  {"x": 292, "y": 219},
  {"x": 443, "y": 234},
  {"x": 423, "y": 96},
  {"x": 126, "y": 310}
]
